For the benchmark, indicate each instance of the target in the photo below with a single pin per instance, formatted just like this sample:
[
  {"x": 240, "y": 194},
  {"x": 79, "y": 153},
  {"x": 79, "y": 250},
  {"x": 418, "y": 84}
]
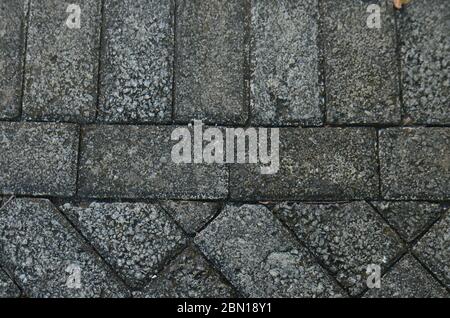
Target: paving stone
[
  {"x": 188, "y": 276},
  {"x": 346, "y": 237},
  {"x": 410, "y": 219},
  {"x": 137, "y": 61},
  {"x": 135, "y": 162},
  {"x": 259, "y": 256},
  {"x": 360, "y": 63},
  {"x": 209, "y": 72},
  {"x": 40, "y": 249},
  {"x": 434, "y": 250},
  {"x": 191, "y": 215},
  {"x": 12, "y": 46},
  {"x": 7, "y": 287},
  {"x": 408, "y": 279},
  {"x": 285, "y": 63},
  {"x": 62, "y": 63},
  {"x": 415, "y": 163},
  {"x": 38, "y": 158},
  {"x": 135, "y": 238},
  {"x": 424, "y": 28},
  {"x": 315, "y": 164}
]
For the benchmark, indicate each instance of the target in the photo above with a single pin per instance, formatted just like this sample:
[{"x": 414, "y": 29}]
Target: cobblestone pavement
[{"x": 92, "y": 204}]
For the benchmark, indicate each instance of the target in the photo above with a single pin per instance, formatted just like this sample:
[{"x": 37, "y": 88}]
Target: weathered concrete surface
[{"x": 7, "y": 287}]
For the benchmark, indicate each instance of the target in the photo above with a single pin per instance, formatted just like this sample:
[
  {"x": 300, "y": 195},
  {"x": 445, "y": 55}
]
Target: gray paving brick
[
  {"x": 61, "y": 63},
  {"x": 191, "y": 215},
  {"x": 259, "y": 256},
  {"x": 135, "y": 162},
  {"x": 38, "y": 247},
  {"x": 434, "y": 250},
  {"x": 188, "y": 276},
  {"x": 415, "y": 163},
  {"x": 285, "y": 63},
  {"x": 137, "y": 61},
  {"x": 7, "y": 287},
  {"x": 410, "y": 219},
  {"x": 360, "y": 63},
  {"x": 135, "y": 238},
  {"x": 316, "y": 164},
  {"x": 408, "y": 279},
  {"x": 346, "y": 237},
  {"x": 209, "y": 72},
  {"x": 38, "y": 158},
  {"x": 12, "y": 46},
  {"x": 424, "y": 28}
]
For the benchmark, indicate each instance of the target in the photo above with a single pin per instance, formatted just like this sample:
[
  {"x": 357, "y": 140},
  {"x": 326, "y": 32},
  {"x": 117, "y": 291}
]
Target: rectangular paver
[
  {"x": 209, "y": 70},
  {"x": 137, "y": 61},
  {"x": 136, "y": 162},
  {"x": 38, "y": 158},
  {"x": 62, "y": 60},
  {"x": 285, "y": 63},
  {"x": 360, "y": 62},
  {"x": 12, "y": 46},
  {"x": 316, "y": 164}
]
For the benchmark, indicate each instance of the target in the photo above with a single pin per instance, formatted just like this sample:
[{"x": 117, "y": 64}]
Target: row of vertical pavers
[
  {"x": 314, "y": 164},
  {"x": 361, "y": 72},
  {"x": 284, "y": 64},
  {"x": 415, "y": 163},
  {"x": 38, "y": 158},
  {"x": 136, "y": 162},
  {"x": 210, "y": 57},
  {"x": 47, "y": 257},
  {"x": 347, "y": 238},
  {"x": 12, "y": 46},
  {"x": 425, "y": 45},
  {"x": 137, "y": 61},
  {"x": 62, "y": 61},
  {"x": 261, "y": 258}
]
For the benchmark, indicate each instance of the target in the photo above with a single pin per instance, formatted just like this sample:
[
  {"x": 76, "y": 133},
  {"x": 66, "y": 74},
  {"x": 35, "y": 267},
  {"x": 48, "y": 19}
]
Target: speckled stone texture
[
  {"x": 425, "y": 44},
  {"x": 135, "y": 162},
  {"x": 137, "y": 61},
  {"x": 408, "y": 279},
  {"x": 136, "y": 239},
  {"x": 38, "y": 159},
  {"x": 410, "y": 219},
  {"x": 61, "y": 63},
  {"x": 434, "y": 250},
  {"x": 360, "y": 63},
  {"x": 188, "y": 276},
  {"x": 346, "y": 237},
  {"x": 38, "y": 246},
  {"x": 259, "y": 256},
  {"x": 7, "y": 287},
  {"x": 315, "y": 164},
  {"x": 285, "y": 63},
  {"x": 191, "y": 215},
  {"x": 415, "y": 163},
  {"x": 209, "y": 74},
  {"x": 12, "y": 43}
]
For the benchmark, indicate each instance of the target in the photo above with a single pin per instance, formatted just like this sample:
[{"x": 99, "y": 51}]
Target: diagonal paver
[{"x": 7, "y": 287}]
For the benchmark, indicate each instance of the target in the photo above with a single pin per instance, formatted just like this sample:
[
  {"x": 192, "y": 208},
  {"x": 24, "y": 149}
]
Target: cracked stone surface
[
  {"x": 408, "y": 279},
  {"x": 188, "y": 276},
  {"x": 61, "y": 62},
  {"x": 415, "y": 163},
  {"x": 346, "y": 237},
  {"x": 136, "y": 75},
  {"x": 360, "y": 63},
  {"x": 424, "y": 29},
  {"x": 12, "y": 43},
  {"x": 38, "y": 159},
  {"x": 135, "y": 238},
  {"x": 258, "y": 256},
  {"x": 285, "y": 63},
  {"x": 38, "y": 246},
  {"x": 7, "y": 287}
]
